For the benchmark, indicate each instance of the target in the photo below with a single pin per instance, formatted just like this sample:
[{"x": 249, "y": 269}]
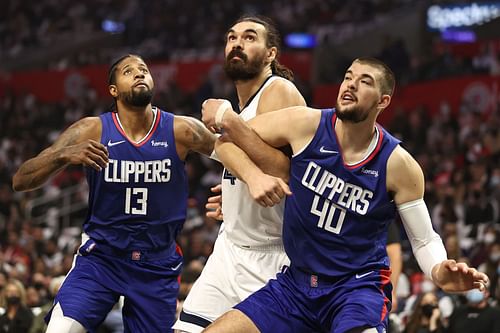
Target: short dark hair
[
  {"x": 388, "y": 82},
  {"x": 273, "y": 39},
  {"x": 114, "y": 66}
]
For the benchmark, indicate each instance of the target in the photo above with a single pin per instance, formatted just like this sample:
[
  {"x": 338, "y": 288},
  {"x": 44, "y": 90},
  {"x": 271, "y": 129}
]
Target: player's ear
[
  {"x": 272, "y": 53},
  {"x": 112, "y": 90},
  {"x": 384, "y": 102}
]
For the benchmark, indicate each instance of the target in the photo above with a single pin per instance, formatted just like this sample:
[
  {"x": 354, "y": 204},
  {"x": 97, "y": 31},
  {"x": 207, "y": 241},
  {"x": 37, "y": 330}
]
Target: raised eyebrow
[
  {"x": 139, "y": 66},
  {"x": 251, "y": 31},
  {"x": 124, "y": 68},
  {"x": 368, "y": 76},
  {"x": 230, "y": 31},
  {"x": 364, "y": 75}
]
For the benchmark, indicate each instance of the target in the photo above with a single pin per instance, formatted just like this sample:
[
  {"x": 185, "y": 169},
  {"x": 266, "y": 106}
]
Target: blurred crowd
[
  {"x": 167, "y": 29},
  {"x": 459, "y": 151}
]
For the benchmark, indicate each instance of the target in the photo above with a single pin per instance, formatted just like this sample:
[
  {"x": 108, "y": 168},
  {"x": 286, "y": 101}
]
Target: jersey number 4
[
  {"x": 229, "y": 176},
  {"x": 136, "y": 200}
]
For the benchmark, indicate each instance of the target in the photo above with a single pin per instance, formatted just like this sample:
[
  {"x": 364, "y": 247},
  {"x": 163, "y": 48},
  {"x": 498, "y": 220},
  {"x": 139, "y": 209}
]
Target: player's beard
[
  {"x": 354, "y": 114},
  {"x": 243, "y": 69},
  {"x": 138, "y": 97}
]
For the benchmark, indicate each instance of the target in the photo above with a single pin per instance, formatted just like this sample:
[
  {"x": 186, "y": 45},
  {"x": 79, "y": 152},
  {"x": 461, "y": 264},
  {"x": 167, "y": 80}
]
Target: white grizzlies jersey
[{"x": 246, "y": 222}]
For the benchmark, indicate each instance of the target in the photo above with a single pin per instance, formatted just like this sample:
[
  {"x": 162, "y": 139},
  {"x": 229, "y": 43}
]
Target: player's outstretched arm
[
  {"x": 267, "y": 190},
  {"x": 405, "y": 181},
  {"x": 192, "y": 135},
  {"x": 79, "y": 144},
  {"x": 267, "y": 158},
  {"x": 294, "y": 126}
]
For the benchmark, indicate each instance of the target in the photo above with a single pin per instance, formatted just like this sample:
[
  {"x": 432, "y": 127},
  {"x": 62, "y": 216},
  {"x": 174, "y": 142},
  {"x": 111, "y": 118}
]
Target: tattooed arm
[
  {"x": 191, "y": 134},
  {"x": 79, "y": 144}
]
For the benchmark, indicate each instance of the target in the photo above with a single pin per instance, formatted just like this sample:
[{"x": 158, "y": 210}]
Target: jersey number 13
[{"x": 136, "y": 200}]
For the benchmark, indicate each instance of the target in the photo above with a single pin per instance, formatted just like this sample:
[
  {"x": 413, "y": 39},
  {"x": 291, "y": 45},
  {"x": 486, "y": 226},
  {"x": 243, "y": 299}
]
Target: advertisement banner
[{"x": 53, "y": 86}]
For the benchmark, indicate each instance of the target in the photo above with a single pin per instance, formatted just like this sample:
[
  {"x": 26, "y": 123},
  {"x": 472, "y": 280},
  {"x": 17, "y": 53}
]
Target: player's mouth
[
  {"x": 347, "y": 97},
  {"x": 237, "y": 55},
  {"x": 140, "y": 84}
]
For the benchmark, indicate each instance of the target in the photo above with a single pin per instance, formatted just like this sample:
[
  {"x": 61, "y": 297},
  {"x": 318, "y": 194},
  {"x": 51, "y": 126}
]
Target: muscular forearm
[
  {"x": 270, "y": 160},
  {"x": 36, "y": 171},
  {"x": 236, "y": 160}
]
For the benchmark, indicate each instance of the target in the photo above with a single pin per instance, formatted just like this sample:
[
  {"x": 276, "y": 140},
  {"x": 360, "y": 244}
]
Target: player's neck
[
  {"x": 355, "y": 137},
  {"x": 135, "y": 121},
  {"x": 246, "y": 89}
]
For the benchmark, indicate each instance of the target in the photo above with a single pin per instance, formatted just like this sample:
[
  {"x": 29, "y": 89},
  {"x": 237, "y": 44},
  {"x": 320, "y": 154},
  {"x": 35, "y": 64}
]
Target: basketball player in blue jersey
[
  {"x": 249, "y": 248},
  {"x": 134, "y": 160},
  {"x": 348, "y": 178}
]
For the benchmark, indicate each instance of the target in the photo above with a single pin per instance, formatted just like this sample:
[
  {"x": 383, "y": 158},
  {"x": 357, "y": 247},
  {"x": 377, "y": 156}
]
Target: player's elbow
[{"x": 18, "y": 184}]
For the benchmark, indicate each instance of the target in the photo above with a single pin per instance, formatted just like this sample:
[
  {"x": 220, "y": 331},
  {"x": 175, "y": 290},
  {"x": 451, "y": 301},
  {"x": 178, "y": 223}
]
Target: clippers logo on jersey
[
  {"x": 334, "y": 189},
  {"x": 139, "y": 200},
  {"x": 337, "y": 208},
  {"x": 123, "y": 171}
]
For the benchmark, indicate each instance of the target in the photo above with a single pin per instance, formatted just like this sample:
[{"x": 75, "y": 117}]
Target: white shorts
[{"x": 231, "y": 274}]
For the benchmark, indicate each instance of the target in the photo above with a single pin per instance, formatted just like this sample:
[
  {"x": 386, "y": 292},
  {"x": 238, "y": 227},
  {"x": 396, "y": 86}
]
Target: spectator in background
[
  {"x": 476, "y": 316},
  {"x": 491, "y": 267},
  {"x": 39, "y": 325},
  {"x": 426, "y": 316},
  {"x": 17, "y": 317}
]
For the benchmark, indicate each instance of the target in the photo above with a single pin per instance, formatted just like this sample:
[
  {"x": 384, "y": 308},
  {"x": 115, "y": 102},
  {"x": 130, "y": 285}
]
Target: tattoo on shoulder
[{"x": 74, "y": 133}]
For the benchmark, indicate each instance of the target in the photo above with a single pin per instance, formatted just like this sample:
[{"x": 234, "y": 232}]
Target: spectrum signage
[{"x": 460, "y": 16}]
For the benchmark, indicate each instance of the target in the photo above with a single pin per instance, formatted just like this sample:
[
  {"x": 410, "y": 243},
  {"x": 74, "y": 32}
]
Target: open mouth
[{"x": 348, "y": 97}]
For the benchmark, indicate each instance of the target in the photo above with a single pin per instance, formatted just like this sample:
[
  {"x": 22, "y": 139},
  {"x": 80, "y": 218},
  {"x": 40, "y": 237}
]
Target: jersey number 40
[{"x": 326, "y": 215}]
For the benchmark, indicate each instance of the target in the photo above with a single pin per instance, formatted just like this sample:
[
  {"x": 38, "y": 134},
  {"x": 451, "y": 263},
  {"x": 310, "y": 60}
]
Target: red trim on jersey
[
  {"x": 146, "y": 139},
  {"x": 372, "y": 154},
  {"x": 179, "y": 251},
  {"x": 385, "y": 278}
]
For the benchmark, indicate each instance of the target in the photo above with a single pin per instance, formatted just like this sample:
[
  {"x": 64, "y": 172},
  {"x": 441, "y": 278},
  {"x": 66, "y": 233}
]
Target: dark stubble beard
[
  {"x": 243, "y": 69},
  {"x": 355, "y": 114},
  {"x": 138, "y": 97}
]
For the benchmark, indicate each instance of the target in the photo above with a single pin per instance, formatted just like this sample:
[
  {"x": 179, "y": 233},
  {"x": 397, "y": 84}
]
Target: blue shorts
[
  {"x": 300, "y": 302},
  {"x": 148, "y": 282}
]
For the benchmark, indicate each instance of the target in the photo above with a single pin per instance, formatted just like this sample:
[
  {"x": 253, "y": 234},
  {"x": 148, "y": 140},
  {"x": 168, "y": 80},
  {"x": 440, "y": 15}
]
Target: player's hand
[
  {"x": 458, "y": 277},
  {"x": 89, "y": 153},
  {"x": 268, "y": 190},
  {"x": 214, "y": 204},
  {"x": 208, "y": 112}
]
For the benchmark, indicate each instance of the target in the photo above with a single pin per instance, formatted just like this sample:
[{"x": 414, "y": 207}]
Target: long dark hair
[
  {"x": 416, "y": 316},
  {"x": 272, "y": 40}
]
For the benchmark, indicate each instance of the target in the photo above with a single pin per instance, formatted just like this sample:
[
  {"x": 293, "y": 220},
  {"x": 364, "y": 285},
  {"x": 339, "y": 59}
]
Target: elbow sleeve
[{"x": 426, "y": 244}]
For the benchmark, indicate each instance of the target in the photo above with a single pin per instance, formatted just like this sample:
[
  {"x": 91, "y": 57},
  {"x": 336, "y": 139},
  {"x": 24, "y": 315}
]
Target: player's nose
[{"x": 139, "y": 75}]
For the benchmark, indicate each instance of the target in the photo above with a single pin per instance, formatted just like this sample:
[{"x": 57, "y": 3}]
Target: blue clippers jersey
[
  {"x": 139, "y": 201},
  {"x": 336, "y": 220}
]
